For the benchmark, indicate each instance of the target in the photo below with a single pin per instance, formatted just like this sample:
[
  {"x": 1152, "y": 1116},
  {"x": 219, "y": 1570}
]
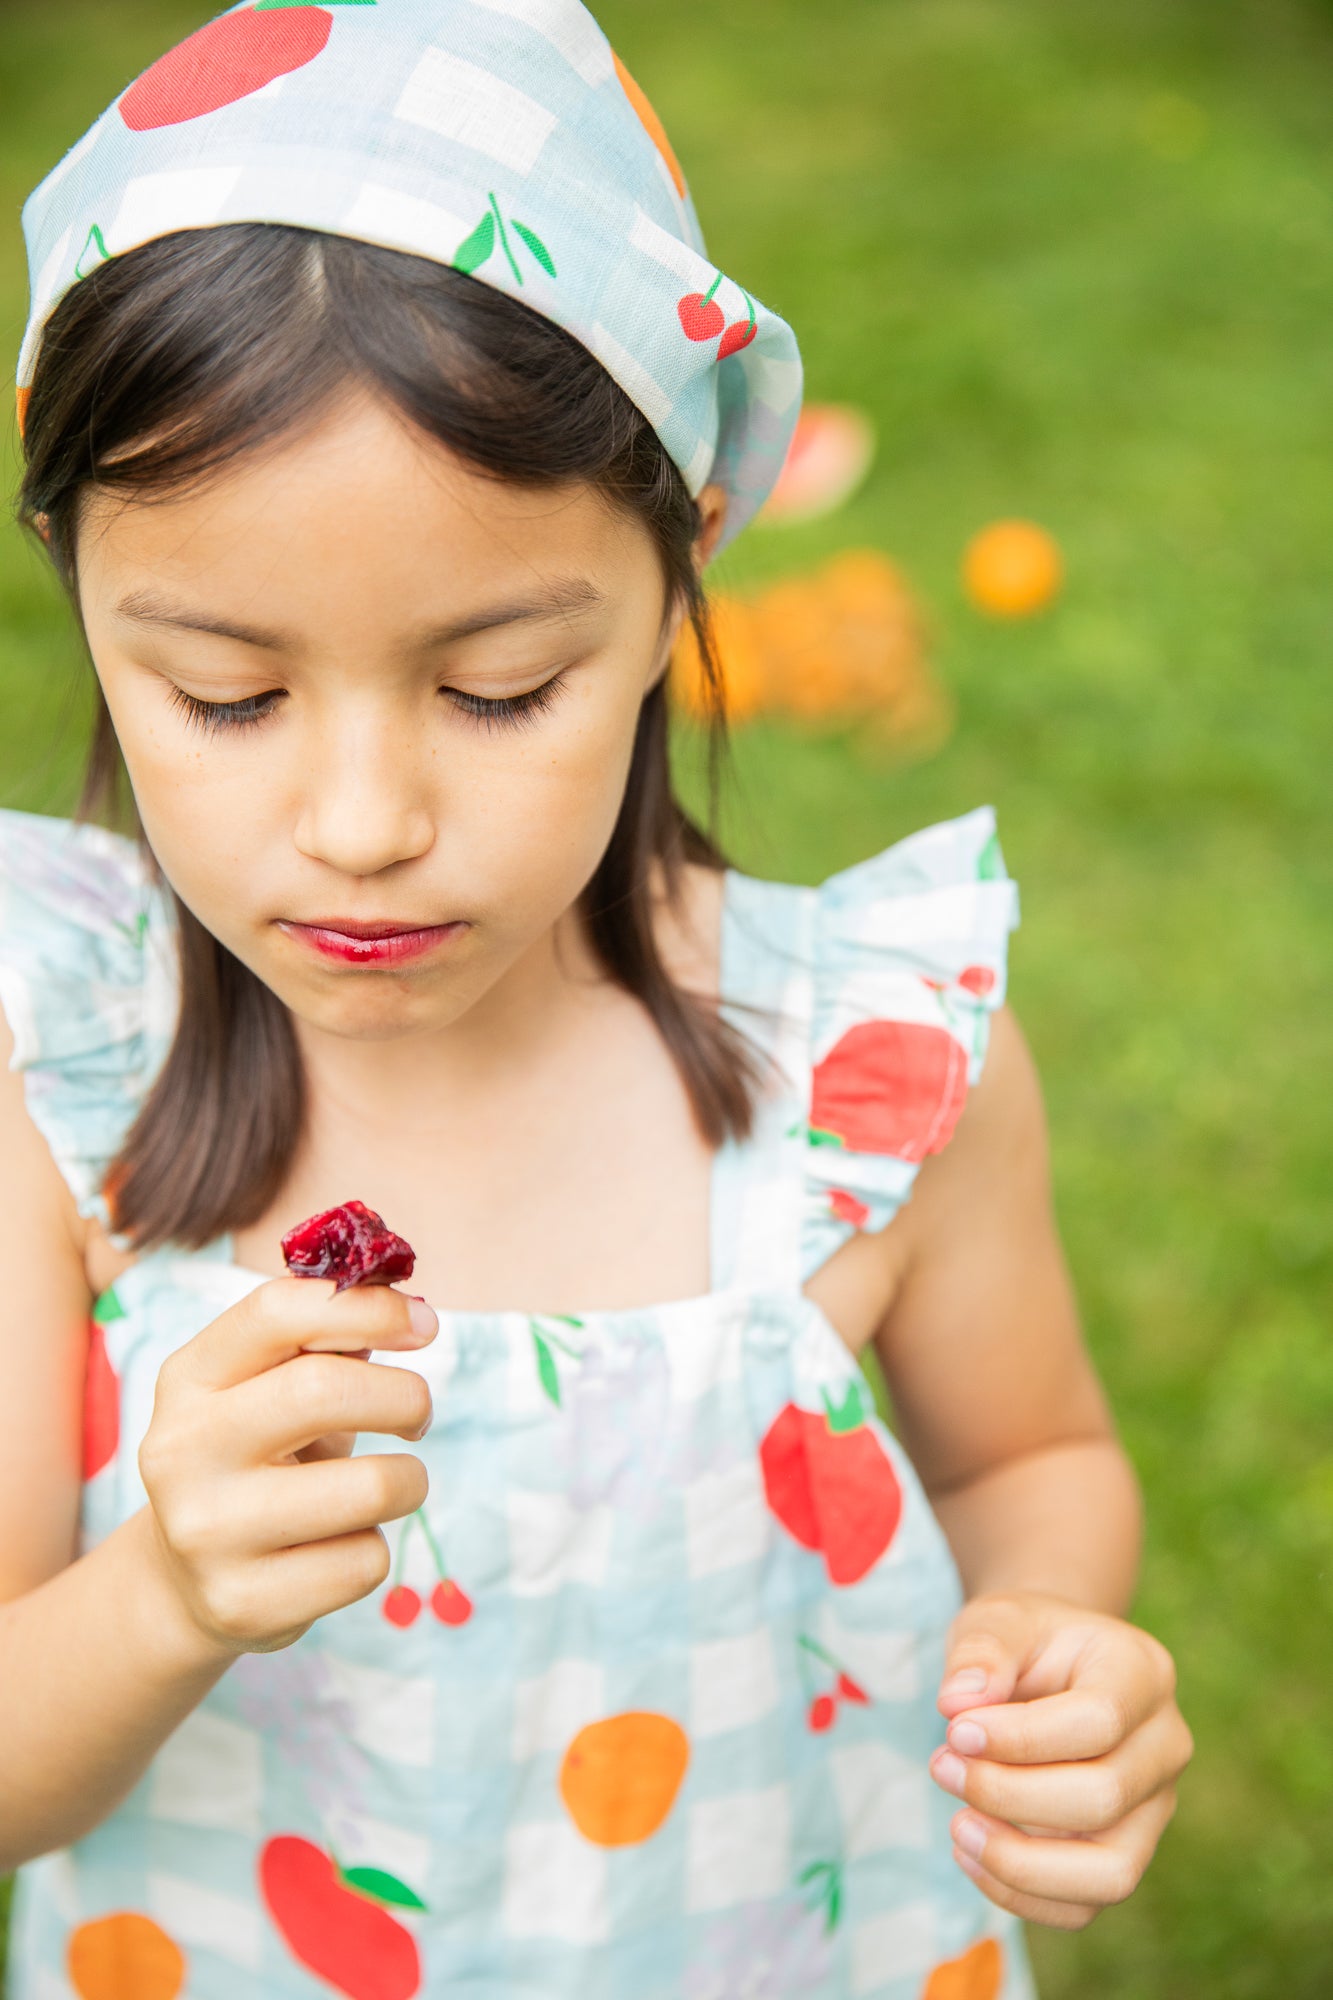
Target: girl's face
[{"x": 417, "y": 720}]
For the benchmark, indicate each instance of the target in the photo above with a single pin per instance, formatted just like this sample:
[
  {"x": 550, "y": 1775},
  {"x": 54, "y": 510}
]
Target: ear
[
  {"x": 712, "y": 505},
  {"x": 43, "y": 527}
]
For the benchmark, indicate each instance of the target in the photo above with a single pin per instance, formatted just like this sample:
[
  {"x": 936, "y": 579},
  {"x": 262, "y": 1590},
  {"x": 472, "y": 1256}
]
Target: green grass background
[{"x": 1077, "y": 260}]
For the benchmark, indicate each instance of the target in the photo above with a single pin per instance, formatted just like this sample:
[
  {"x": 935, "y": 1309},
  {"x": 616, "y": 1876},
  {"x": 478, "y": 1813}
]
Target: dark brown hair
[{"x": 169, "y": 362}]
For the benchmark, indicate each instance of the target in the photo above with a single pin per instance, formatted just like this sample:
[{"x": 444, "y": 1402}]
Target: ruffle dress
[{"x": 644, "y": 1710}]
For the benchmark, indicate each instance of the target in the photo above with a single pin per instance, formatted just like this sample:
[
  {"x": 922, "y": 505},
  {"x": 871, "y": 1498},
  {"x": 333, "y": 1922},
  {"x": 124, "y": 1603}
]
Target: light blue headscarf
[{"x": 504, "y": 137}]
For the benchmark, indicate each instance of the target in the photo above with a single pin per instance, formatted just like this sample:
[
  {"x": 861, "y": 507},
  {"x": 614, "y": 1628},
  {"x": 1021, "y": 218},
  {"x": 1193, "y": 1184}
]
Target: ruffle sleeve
[
  {"x": 88, "y": 984},
  {"x": 910, "y": 951}
]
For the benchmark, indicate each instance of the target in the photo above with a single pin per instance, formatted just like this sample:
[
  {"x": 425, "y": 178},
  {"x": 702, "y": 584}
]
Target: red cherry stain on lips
[
  {"x": 350, "y": 1243},
  {"x": 893, "y": 1087},
  {"x": 833, "y": 1489},
  {"x": 337, "y": 1932},
  {"x": 227, "y": 59}
]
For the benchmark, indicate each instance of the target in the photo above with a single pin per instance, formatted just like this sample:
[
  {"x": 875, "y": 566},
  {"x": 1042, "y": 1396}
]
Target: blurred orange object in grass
[
  {"x": 829, "y": 455},
  {"x": 842, "y": 645},
  {"x": 1012, "y": 568}
]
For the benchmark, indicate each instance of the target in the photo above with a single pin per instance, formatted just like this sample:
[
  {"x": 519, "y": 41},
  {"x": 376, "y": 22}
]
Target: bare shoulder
[{"x": 43, "y": 1323}]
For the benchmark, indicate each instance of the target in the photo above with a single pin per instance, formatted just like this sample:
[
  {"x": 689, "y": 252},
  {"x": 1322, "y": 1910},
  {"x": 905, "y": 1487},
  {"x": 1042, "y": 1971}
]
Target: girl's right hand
[{"x": 259, "y": 1541}]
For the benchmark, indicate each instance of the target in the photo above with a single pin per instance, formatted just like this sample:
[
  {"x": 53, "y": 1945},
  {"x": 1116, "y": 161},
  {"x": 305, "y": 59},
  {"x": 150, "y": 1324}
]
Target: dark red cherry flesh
[{"x": 349, "y": 1243}]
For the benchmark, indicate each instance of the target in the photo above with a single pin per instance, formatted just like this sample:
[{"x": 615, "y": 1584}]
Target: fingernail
[
  {"x": 968, "y": 1737},
  {"x": 423, "y": 1319},
  {"x": 949, "y": 1771},
  {"x": 970, "y": 1835},
  {"x": 969, "y": 1680}
]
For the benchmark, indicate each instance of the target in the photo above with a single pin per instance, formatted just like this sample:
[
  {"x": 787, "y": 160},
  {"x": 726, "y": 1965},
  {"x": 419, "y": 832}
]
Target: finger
[
  {"x": 1102, "y": 1869},
  {"x": 1085, "y": 1797},
  {"x": 990, "y": 1643},
  {"x": 1112, "y": 1695},
  {"x": 314, "y": 1396},
  {"x": 282, "y": 1506},
  {"x": 286, "y": 1591},
  {"x": 280, "y": 1318},
  {"x": 1031, "y": 1909}
]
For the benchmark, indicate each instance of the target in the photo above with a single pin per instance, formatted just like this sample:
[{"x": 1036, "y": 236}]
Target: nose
[{"x": 364, "y": 802}]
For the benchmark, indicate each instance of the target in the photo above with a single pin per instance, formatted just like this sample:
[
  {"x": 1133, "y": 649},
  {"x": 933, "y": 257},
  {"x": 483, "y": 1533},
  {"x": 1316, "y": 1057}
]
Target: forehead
[{"x": 360, "y": 503}]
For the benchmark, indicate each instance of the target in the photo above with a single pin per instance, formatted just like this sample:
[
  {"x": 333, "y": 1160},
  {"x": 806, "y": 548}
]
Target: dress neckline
[{"x": 731, "y": 1164}]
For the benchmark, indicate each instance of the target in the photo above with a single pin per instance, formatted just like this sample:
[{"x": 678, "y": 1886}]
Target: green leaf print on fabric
[
  {"x": 822, "y": 1881},
  {"x": 477, "y": 247},
  {"x": 990, "y": 866},
  {"x": 108, "y": 1307},
  {"x": 93, "y": 253},
  {"x": 537, "y": 247},
  {"x": 480, "y": 243},
  {"x": 546, "y": 1368},
  {"x": 382, "y": 1887}
]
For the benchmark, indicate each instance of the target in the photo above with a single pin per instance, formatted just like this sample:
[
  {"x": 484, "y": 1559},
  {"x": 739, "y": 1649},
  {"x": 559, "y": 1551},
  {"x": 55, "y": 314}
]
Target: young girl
[{"x": 583, "y": 1631}]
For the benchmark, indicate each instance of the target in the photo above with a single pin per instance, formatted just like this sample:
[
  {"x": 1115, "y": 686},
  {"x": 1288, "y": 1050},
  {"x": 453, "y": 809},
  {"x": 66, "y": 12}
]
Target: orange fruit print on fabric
[
  {"x": 227, "y": 59},
  {"x": 619, "y": 1778},
  {"x": 977, "y": 1975},
  {"x": 891, "y": 1087},
  {"x": 650, "y": 122},
  {"x": 124, "y": 1956}
]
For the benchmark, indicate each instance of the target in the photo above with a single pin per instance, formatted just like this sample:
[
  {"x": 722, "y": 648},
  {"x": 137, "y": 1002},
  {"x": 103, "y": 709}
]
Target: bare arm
[
  {"x": 1064, "y": 1739},
  {"x": 259, "y": 1519},
  {"x": 997, "y": 1400},
  {"x": 98, "y": 1663}
]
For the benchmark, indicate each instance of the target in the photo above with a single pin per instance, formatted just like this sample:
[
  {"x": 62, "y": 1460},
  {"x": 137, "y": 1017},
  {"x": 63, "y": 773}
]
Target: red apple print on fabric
[
  {"x": 890, "y": 1087},
  {"x": 334, "y": 1920},
  {"x": 227, "y": 59},
  {"x": 829, "y": 1481},
  {"x": 101, "y": 1390}
]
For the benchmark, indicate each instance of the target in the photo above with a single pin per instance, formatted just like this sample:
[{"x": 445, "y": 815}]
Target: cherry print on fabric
[
  {"x": 829, "y": 1481},
  {"x": 101, "y": 1390},
  {"x": 401, "y": 1604},
  {"x": 227, "y": 59},
  {"x": 822, "y": 1711},
  {"x": 124, "y": 1956},
  {"x": 893, "y": 1087},
  {"x": 336, "y": 1923},
  {"x": 619, "y": 1777},
  {"x": 478, "y": 245},
  {"x": 977, "y": 1975}
]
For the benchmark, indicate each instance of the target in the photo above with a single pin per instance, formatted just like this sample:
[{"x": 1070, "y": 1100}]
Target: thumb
[{"x": 990, "y": 1642}]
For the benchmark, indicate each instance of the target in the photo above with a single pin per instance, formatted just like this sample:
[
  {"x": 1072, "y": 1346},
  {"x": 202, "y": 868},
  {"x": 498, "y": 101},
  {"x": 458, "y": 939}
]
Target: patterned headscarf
[{"x": 504, "y": 137}]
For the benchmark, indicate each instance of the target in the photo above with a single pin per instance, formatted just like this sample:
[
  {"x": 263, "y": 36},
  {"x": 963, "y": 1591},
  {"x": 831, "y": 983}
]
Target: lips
[{"x": 356, "y": 941}]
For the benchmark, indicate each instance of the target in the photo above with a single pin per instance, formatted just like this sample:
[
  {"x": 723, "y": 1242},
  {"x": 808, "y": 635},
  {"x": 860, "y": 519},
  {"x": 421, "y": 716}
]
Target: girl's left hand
[{"x": 1065, "y": 1742}]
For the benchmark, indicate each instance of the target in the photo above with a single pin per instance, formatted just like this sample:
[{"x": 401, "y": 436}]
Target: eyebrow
[{"x": 559, "y": 597}]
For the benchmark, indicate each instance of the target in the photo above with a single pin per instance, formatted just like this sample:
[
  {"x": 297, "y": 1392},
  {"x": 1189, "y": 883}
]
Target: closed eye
[
  {"x": 509, "y": 711},
  {"x": 512, "y": 710},
  {"x": 218, "y": 715}
]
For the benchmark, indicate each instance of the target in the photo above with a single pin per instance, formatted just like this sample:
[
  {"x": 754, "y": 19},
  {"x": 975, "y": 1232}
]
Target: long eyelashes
[{"x": 510, "y": 712}]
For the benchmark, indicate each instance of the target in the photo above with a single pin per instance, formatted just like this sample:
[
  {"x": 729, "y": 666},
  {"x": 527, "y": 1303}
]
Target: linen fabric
[
  {"x": 645, "y": 1710},
  {"x": 504, "y": 137}
]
